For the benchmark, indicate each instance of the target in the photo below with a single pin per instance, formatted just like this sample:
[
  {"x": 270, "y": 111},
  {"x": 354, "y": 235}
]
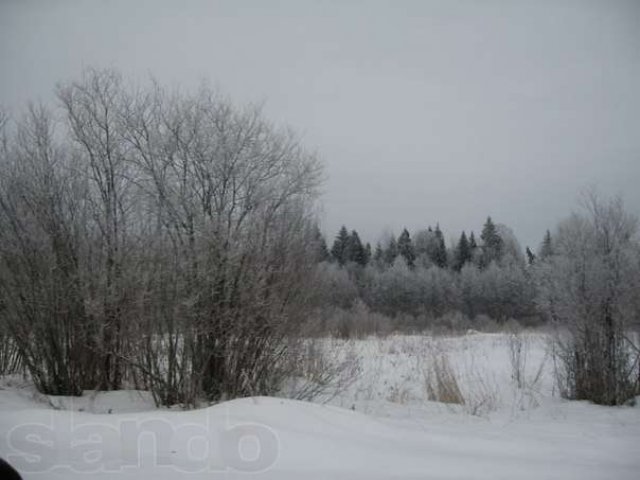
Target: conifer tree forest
[{"x": 418, "y": 279}]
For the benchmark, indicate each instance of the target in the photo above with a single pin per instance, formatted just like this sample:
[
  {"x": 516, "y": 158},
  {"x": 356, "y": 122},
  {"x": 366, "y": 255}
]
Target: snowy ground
[{"x": 381, "y": 425}]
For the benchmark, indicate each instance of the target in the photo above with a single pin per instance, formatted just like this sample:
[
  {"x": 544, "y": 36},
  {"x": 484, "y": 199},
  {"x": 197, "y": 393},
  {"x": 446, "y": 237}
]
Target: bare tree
[
  {"x": 164, "y": 240},
  {"x": 589, "y": 287},
  {"x": 9, "y": 354},
  {"x": 232, "y": 198},
  {"x": 41, "y": 226},
  {"x": 93, "y": 107}
]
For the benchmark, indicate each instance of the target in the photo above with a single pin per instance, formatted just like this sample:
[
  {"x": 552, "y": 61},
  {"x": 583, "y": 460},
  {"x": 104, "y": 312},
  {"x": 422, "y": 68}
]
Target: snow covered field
[{"x": 381, "y": 423}]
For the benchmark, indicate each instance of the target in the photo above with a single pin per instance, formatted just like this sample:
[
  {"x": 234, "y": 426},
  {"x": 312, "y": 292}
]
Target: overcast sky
[{"x": 423, "y": 111}]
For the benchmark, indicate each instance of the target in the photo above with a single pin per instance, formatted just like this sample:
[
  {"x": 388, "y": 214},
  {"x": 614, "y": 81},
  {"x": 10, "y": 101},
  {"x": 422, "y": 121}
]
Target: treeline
[
  {"x": 419, "y": 276},
  {"x": 584, "y": 281}
]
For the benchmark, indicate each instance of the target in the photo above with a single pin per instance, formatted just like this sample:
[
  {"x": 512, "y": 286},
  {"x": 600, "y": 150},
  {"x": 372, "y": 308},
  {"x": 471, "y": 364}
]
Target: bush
[
  {"x": 315, "y": 372},
  {"x": 10, "y": 361},
  {"x": 356, "y": 322},
  {"x": 159, "y": 238},
  {"x": 589, "y": 288}
]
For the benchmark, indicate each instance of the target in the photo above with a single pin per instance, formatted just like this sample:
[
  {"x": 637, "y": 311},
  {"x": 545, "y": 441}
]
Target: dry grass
[
  {"x": 316, "y": 374},
  {"x": 441, "y": 381},
  {"x": 469, "y": 387}
]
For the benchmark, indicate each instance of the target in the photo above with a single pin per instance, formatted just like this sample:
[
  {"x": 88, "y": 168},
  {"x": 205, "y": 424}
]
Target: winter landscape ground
[{"x": 377, "y": 419}]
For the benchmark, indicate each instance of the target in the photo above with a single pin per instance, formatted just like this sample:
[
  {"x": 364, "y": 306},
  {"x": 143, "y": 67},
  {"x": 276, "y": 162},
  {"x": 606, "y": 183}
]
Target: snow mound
[
  {"x": 285, "y": 439},
  {"x": 388, "y": 428}
]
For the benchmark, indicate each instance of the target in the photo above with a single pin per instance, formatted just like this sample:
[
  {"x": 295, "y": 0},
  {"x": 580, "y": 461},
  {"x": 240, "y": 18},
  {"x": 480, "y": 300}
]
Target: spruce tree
[
  {"x": 472, "y": 242},
  {"x": 405, "y": 248},
  {"x": 321, "y": 252},
  {"x": 492, "y": 244},
  {"x": 367, "y": 253},
  {"x": 473, "y": 248},
  {"x": 546, "y": 249},
  {"x": 431, "y": 246},
  {"x": 463, "y": 252},
  {"x": 355, "y": 250},
  {"x": 378, "y": 256},
  {"x": 340, "y": 248},
  {"x": 391, "y": 252},
  {"x": 440, "y": 252},
  {"x": 420, "y": 241}
]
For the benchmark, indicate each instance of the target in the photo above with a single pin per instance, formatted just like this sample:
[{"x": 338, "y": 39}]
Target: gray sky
[{"x": 423, "y": 111}]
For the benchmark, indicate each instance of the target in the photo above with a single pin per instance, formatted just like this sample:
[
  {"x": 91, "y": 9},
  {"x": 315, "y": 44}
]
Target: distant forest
[{"x": 418, "y": 276}]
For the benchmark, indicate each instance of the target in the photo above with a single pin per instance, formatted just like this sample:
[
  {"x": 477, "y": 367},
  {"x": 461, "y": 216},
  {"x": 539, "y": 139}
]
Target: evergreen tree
[
  {"x": 391, "y": 252},
  {"x": 340, "y": 248},
  {"x": 546, "y": 249},
  {"x": 320, "y": 249},
  {"x": 473, "y": 248},
  {"x": 492, "y": 244},
  {"x": 420, "y": 241},
  {"x": 431, "y": 244},
  {"x": 378, "y": 256},
  {"x": 463, "y": 253},
  {"x": 472, "y": 242},
  {"x": 405, "y": 248},
  {"x": 355, "y": 251},
  {"x": 440, "y": 251},
  {"x": 367, "y": 253}
]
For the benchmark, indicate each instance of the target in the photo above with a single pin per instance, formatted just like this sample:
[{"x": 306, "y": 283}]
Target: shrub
[
  {"x": 158, "y": 237},
  {"x": 589, "y": 288}
]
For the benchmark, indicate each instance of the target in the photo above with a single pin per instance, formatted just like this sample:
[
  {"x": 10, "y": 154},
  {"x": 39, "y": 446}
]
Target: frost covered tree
[
  {"x": 93, "y": 106},
  {"x": 430, "y": 247},
  {"x": 472, "y": 242},
  {"x": 421, "y": 241},
  {"x": 321, "y": 251},
  {"x": 405, "y": 248},
  {"x": 163, "y": 237},
  {"x": 475, "y": 250},
  {"x": 463, "y": 253},
  {"x": 391, "y": 251},
  {"x": 44, "y": 223},
  {"x": 340, "y": 248},
  {"x": 546, "y": 248},
  {"x": 227, "y": 260},
  {"x": 378, "y": 256},
  {"x": 334, "y": 286},
  {"x": 589, "y": 287},
  {"x": 439, "y": 250},
  {"x": 492, "y": 244},
  {"x": 511, "y": 250},
  {"x": 356, "y": 252},
  {"x": 396, "y": 290}
]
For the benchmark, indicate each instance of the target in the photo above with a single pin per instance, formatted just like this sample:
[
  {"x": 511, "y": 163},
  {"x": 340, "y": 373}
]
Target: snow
[{"x": 381, "y": 426}]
